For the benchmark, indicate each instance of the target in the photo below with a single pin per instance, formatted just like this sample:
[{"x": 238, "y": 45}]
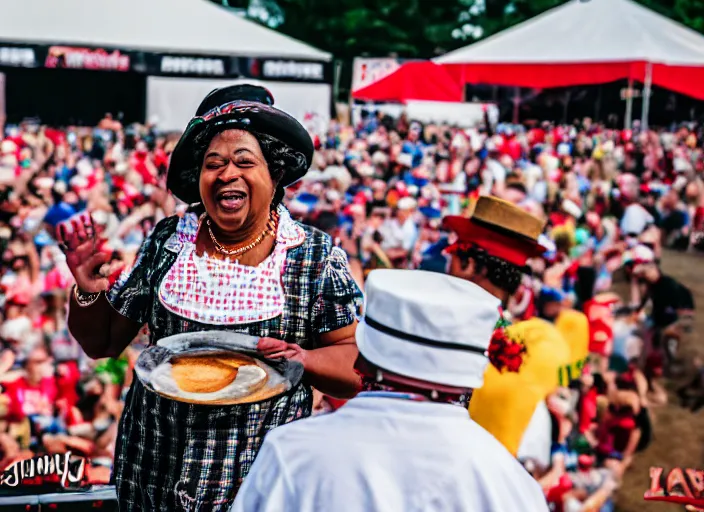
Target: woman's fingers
[
  {"x": 89, "y": 225},
  {"x": 67, "y": 236},
  {"x": 86, "y": 274},
  {"x": 269, "y": 346},
  {"x": 282, "y": 354},
  {"x": 75, "y": 232},
  {"x": 79, "y": 229},
  {"x": 278, "y": 349},
  {"x": 291, "y": 354},
  {"x": 61, "y": 233},
  {"x": 115, "y": 267}
]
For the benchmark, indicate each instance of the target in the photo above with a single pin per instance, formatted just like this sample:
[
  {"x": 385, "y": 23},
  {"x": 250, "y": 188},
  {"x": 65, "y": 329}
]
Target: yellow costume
[
  {"x": 574, "y": 327},
  {"x": 505, "y": 404}
]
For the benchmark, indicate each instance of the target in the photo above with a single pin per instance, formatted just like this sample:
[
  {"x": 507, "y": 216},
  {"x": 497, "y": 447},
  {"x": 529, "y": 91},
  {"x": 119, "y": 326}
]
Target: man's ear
[{"x": 458, "y": 270}]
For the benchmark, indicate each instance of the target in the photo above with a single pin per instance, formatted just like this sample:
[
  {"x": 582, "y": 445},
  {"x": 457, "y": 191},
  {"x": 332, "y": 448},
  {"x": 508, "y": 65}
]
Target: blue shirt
[
  {"x": 59, "y": 213},
  {"x": 569, "y": 455},
  {"x": 415, "y": 149}
]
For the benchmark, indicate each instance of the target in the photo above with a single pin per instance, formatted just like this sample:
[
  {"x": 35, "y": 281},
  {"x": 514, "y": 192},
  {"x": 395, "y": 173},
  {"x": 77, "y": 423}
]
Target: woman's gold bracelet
[{"x": 85, "y": 299}]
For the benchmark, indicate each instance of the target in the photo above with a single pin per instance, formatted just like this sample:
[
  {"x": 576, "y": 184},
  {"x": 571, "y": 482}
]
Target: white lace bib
[{"x": 223, "y": 292}]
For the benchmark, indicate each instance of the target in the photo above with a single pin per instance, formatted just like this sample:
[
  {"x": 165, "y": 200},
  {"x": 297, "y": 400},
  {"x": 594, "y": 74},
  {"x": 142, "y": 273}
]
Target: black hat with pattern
[{"x": 244, "y": 107}]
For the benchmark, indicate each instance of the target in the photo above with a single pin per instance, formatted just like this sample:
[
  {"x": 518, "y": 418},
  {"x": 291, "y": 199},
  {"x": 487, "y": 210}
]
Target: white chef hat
[{"x": 427, "y": 326}]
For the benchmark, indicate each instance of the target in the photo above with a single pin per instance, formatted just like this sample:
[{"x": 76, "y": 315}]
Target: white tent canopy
[
  {"x": 172, "y": 102},
  {"x": 176, "y": 26},
  {"x": 589, "y": 31},
  {"x": 587, "y": 42}
]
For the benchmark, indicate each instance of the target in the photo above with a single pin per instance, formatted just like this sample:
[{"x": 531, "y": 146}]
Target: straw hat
[{"x": 500, "y": 228}]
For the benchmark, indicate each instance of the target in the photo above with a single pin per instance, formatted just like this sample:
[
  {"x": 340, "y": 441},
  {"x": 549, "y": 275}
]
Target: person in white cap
[
  {"x": 401, "y": 232},
  {"x": 407, "y": 444}
]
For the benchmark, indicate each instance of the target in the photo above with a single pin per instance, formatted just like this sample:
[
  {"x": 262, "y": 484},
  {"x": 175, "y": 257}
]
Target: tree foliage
[
  {"x": 416, "y": 28},
  {"x": 419, "y": 29}
]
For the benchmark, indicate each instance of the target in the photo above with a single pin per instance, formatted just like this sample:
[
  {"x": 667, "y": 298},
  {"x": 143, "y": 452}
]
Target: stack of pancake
[{"x": 211, "y": 373}]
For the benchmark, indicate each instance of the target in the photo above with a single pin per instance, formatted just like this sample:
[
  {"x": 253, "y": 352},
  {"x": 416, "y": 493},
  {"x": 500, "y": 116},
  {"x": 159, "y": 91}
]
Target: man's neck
[
  {"x": 490, "y": 287},
  {"x": 442, "y": 395}
]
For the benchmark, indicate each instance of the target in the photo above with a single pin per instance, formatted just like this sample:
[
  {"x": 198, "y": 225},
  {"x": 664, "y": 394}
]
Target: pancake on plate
[{"x": 211, "y": 373}]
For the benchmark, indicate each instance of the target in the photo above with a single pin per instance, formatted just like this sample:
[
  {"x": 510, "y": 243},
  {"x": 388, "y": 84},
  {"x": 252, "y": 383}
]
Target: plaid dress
[{"x": 177, "y": 456}]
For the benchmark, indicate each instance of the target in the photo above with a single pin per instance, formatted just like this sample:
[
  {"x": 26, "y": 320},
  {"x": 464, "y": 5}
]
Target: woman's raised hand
[{"x": 89, "y": 265}]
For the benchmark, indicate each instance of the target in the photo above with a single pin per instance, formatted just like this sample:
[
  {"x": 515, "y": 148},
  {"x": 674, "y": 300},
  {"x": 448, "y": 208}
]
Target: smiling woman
[
  {"x": 240, "y": 208},
  {"x": 235, "y": 261}
]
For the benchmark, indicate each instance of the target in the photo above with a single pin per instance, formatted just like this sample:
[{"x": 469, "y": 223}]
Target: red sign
[
  {"x": 86, "y": 58},
  {"x": 682, "y": 486}
]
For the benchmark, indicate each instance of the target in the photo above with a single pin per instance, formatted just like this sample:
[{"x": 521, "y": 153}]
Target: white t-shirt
[
  {"x": 495, "y": 173},
  {"x": 399, "y": 235},
  {"x": 537, "y": 439},
  {"x": 635, "y": 219}
]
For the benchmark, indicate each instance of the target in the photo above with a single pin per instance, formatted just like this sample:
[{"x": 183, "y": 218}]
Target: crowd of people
[{"x": 612, "y": 200}]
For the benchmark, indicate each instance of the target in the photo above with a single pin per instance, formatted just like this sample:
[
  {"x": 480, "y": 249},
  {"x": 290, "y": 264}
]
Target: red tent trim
[
  {"x": 687, "y": 80},
  {"x": 420, "y": 81}
]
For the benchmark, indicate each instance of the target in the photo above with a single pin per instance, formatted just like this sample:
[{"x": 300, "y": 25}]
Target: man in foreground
[{"x": 406, "y": 444}]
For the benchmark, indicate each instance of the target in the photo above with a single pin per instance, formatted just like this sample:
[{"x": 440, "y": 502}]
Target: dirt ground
[{"x": 678, "y": 435}]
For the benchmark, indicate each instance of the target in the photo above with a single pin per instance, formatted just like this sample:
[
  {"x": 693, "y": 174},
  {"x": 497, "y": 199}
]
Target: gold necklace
[{"x": 239, "y": 251}]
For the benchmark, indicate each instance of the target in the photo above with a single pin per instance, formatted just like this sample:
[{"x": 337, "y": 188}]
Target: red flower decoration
[{"x": 504, "y": 353}]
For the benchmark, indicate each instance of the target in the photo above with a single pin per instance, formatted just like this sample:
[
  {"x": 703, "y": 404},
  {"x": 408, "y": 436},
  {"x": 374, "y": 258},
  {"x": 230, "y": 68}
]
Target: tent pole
[
  {"x": 3, "y": 113},
  {"x": 597, "y": 105},
  {"x": 629, "y": 105},
  {"x": 647, "y": 90},
  {"x": 516, "y": 105}
]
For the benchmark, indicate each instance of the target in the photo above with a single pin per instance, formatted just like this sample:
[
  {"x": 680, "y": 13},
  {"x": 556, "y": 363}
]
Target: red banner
[{"x": 85, "y": 58}]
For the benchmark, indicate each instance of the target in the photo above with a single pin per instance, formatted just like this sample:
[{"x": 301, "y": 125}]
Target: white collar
[{"x": 392, "y": 406}]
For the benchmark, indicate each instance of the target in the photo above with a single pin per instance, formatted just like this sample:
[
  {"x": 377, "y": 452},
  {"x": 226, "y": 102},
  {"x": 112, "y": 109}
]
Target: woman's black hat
[{"x": 244, "y": 107}]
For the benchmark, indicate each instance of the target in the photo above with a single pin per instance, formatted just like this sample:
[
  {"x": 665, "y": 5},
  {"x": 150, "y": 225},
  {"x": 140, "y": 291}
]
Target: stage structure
[{"x": 72, "y": 61}]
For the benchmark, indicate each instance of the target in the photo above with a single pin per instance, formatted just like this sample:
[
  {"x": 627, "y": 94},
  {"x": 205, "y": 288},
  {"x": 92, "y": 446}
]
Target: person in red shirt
[
  {"x": 33, "y": 395},
  {"x": 588, "y": 405},
  {"x": 140, "y": 162},
  {"x": 599, "y": 310},
  {"x": 67, "y": 378},
  {"x": 161, "y": 157},
  {"x": 511, "y": 146},
  {"x": 536, "y": 136}
]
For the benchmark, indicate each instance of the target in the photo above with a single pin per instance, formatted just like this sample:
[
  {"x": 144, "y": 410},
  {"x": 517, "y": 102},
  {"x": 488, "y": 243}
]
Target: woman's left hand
[{"x": 275, "y": 349}]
